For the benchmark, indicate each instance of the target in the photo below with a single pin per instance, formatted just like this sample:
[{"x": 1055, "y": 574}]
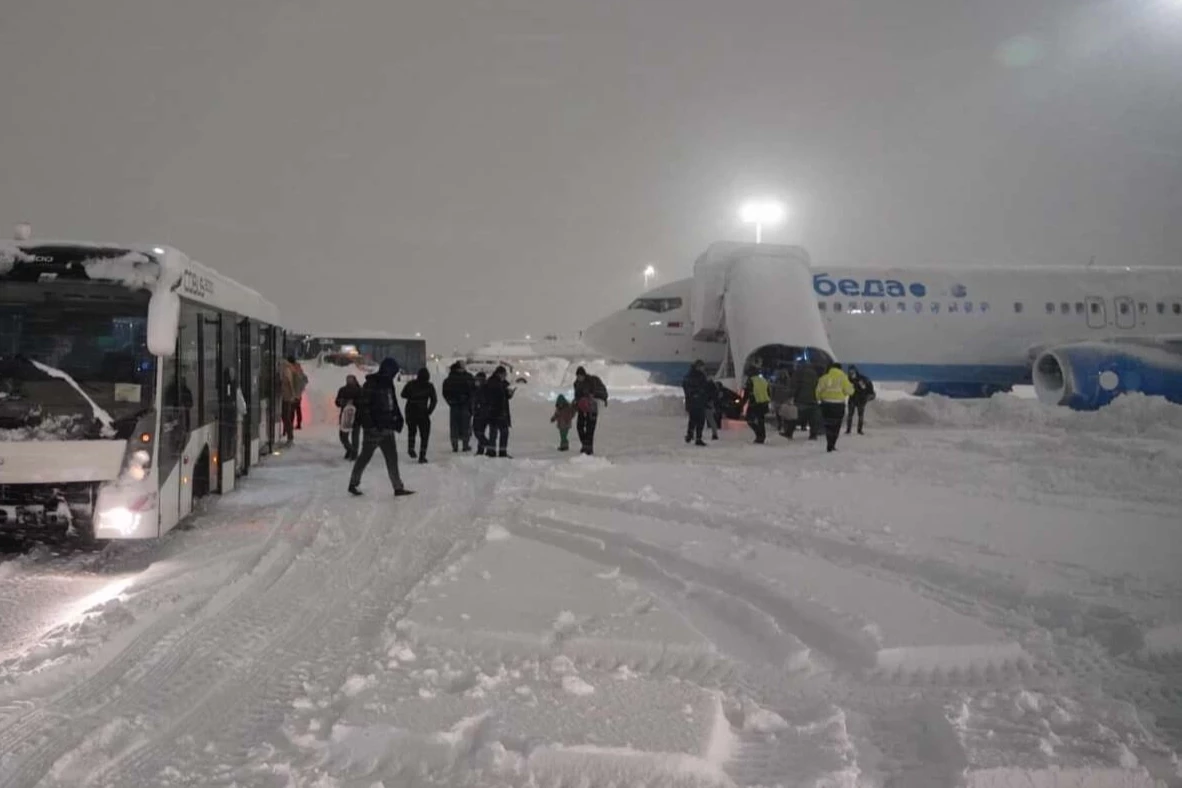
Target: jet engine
[{"x": 1089, "y": 375}]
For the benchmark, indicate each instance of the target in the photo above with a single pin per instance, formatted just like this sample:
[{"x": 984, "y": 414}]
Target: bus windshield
[{"x": 74, "y": 362}]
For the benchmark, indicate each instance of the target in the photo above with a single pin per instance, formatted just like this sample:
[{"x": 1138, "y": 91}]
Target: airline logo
[{"x": 824, "y": 285}]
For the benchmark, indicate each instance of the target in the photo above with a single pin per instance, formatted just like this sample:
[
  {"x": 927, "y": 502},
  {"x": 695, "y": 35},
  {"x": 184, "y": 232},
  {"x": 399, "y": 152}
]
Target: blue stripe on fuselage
[{"x": 671, "y": 372}]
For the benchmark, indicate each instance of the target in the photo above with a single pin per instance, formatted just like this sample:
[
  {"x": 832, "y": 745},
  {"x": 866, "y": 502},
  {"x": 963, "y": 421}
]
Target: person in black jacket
[
  {"x": 459, "y": 388},
  {"x": 350, "y": 433},
  {"x": 699, "y": 395},
  {"x": 381, "y": 420},
  {"x": 804, "y": 396},
  {"x": 420, "y": 404},
  {"x": 479, "y": 409},
  {"x": 863, "y": 393},
  {"x": 497, "y": 393},
  {"x": 589, "y": 392}
]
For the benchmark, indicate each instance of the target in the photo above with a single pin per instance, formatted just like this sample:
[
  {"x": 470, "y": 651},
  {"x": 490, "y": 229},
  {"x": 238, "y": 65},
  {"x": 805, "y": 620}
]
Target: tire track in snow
[
  {"x": 322, "y": 645},
  {"x": 149, "y": 662},
  {"x": 945, "y": 582}
]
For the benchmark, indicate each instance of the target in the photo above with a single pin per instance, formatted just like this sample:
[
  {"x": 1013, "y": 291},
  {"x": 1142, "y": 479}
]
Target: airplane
[{"x": 1081, "y": 336}]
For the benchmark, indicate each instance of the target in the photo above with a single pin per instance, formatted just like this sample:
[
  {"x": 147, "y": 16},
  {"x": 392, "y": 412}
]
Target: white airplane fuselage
[{"x": 968, "y": 327}]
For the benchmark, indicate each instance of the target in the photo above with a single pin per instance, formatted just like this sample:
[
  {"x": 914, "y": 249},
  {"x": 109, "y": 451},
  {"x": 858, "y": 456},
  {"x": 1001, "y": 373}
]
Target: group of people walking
[
  {"x": 803, "y": 396},
  {"x": 479, "y": 406}
]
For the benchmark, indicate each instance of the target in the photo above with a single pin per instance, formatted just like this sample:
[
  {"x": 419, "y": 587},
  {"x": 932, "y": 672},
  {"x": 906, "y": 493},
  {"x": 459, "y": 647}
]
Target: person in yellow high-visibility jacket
[
  {"x": 833, "y": 389},
  {"x": 758, "y": 393}
]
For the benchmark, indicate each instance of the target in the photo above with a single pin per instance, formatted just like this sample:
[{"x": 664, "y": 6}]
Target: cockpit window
[{"x": 656, "y": 304}]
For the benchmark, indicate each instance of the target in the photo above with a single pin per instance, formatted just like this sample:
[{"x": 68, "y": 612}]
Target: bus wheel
[
  {"x": 201, "y": 475},
  {"x": 81, "y": 530}
]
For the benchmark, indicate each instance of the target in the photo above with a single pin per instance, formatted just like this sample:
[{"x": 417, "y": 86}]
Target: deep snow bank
[{"x": 1131, "y": 414}]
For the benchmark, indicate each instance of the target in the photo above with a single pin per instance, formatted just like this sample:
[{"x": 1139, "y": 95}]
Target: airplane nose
[{"x": 596, "y": 336}]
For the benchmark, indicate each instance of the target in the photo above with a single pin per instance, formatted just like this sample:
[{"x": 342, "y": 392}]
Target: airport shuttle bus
[{"x": 133, "y": 382}]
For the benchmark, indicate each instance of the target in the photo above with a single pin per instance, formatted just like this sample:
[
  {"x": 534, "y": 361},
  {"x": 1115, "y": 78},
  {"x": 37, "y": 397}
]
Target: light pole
[
  {"x": 650, "y": 273},
  {"x": 761, "y": 213}
]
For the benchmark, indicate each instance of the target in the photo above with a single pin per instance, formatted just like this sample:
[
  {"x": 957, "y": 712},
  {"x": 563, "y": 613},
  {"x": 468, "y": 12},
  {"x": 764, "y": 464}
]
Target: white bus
[{"x": 133, "y": 382}]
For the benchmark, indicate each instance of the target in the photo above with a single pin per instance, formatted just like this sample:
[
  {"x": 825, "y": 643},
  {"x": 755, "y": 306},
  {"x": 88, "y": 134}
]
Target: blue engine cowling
[{"x": 1089, "y": 375}]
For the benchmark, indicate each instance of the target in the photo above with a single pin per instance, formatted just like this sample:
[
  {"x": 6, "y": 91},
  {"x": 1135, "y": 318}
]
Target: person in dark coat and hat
[
  {"x": 421, "y": 402},
  {"x": 497, "y": 393},
  {"x": 459, "y": 390},
  {"x": 381, "y": 421}
]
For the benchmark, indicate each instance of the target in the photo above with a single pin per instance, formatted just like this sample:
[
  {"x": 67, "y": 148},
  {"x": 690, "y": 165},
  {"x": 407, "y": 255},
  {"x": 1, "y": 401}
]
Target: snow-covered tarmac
[{"x": 982, "y": 594}]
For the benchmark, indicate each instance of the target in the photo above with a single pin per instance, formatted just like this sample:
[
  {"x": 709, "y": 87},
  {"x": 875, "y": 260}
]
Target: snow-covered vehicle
[
  {"x": 133, "y": 381},
  {"x": 488, "y": 366}
]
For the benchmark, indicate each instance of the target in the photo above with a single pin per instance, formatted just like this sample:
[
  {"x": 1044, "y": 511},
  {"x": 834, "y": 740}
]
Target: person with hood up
[
  {"x": 479, "y": 410},
  {"x": 590, "y": 393},
  {"x": 699, "y": 392},
  {"x": 459, "y": 389},
  {"x": 757, "y": 392},
  {"x": 347, "y": 421},
  {"x": 302, "y": 379},
  {"x": 804, "y": 397},
  {"x": 564, "y": 416},
  {"x": 381, "y": 420},
  {"x": 782, "y": 407},
  {"x": 833, "y": 389},
  {"x": 292, "y": 381},
  {"x": 421, "y": 401},
  {"x": 863, "y": 393},
  {"x": 497, "y": 393}
]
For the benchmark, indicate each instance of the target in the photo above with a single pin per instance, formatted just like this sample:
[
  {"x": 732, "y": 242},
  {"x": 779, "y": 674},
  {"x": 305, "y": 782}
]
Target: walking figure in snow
[
  {"x": 564, "y": 416},
  {"x": 589, "y": 394},
  {"x": 497, "y": 393},
  {"x": 459, "y": 389},
  {"x": 347, "y": 421},
  {"x": 758, "y": 395},
  {"x": 699, "y": 396},
  {"x": 420, "y": 404},
  {"x": 863, "y": 393},
  {"x": 804, "y": 397},
  {"x": 381, "y": 421},
  {"x": 479, "y": 413},
  {"x": 833, "y": 389}
]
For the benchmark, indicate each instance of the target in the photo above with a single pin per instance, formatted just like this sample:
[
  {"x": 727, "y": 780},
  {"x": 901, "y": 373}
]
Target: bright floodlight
[
  {"x": 761, "y": 213},
  {"x": 649, "y": 274}
]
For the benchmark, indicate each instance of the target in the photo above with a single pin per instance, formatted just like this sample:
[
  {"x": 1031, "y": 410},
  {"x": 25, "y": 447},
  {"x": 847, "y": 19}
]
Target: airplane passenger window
[
  {"x": 1065, "y": 308},
  {"x": 1050, "y": 308},
  {"x": 984, "y": 306},
  {"x": 1161, "y": 308},
  {"x": 824, "y": 307},
  {"x": 1177, "y": 308},
  {"x": 918, "y": 307},
  {"x": 935, "y": 307},
  {"x": 953, "y": 307},
  {"x": 1095, "y": 308},
  {"x": 1124, "y": 307},
  {"x": 1142, "y": 307},
  {"x": 868, "y": 308},
  {"x": 1017, "y": 307},
  {"x": 1079, "y": 307},
  {"x": 968, "y": 306},
  {"x": 836, "y": 306},
  {"x": 901, "y": 306},
  {"x": 883, "y": 307}
]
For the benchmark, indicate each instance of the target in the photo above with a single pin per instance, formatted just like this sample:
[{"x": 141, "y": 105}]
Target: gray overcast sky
[{"x": 509, "y": 167}]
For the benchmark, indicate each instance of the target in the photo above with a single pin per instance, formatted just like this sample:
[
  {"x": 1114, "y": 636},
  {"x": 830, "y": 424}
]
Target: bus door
[
  {"x": 228, "y": 421},
  {"x": 246, "y": 382}
]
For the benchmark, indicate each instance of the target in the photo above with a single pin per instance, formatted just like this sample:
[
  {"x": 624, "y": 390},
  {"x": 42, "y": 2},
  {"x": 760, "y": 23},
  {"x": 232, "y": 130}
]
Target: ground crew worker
[
  {"x": 833, "y": 389},
  {"x": 758, "y": 394}
]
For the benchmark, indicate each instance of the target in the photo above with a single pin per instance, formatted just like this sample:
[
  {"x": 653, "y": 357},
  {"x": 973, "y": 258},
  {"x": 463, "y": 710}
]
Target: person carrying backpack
[
  {"x": 347, "y": 421},
  {"x": 589, "y": 394}
]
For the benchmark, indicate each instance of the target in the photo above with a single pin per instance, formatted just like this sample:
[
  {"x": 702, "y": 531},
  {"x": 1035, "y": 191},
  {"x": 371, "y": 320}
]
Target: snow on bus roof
[{"x": 150, "y": 267}]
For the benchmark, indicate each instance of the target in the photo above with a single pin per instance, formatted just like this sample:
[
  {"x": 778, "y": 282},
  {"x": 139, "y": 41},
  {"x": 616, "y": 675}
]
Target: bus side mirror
[{"x": 164, "y": 318}]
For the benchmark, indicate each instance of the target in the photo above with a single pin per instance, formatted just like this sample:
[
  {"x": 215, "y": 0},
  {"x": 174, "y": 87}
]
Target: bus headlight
[{"x": 119, "y": 519}]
